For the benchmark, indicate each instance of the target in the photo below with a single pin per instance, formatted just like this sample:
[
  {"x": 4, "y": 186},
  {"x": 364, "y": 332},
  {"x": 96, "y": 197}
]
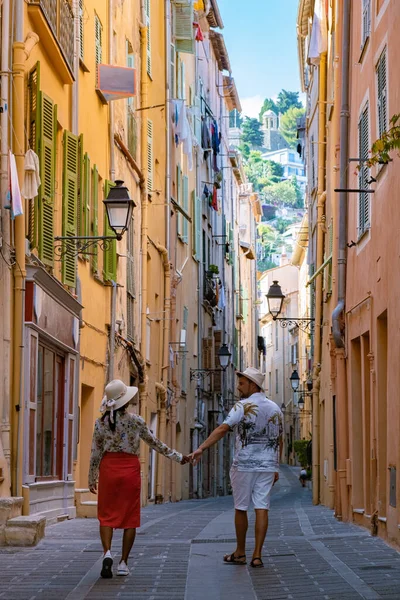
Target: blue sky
[{"x": 260, "y": 36}]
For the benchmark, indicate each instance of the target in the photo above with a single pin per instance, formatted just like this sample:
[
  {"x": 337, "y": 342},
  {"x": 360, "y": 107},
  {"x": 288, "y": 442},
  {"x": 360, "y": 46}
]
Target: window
[
  {"x": 270, "y": 382},
  {"x": 292, "y": 171},
  {"x": 366, "y": 21},
  {"x": 363, "y": 175},
  {"x": 276, "y": 335},
  {"x": 196, "y": 225},
  {"x": 312, "y": 154},
  {"x": 291, "y": 157},
  {"x": 132, "y": 136},
  {"x": 276, "y": 381},
  {"x": 381, "y": 75}
]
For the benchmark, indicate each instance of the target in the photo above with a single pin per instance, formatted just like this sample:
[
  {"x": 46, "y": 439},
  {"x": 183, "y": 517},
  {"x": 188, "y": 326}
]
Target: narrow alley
[{"x": 178, "y": 556}]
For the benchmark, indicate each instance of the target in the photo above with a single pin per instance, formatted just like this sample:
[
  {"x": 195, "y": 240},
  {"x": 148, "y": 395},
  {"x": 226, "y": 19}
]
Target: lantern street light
[
  {"x": 275, "y": 298},
  {"x": 224, "y": 357},
  {"x": 119, "y": 207}
]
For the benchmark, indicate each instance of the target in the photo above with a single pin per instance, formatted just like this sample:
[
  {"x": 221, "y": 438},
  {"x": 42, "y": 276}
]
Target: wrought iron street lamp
[
  {"x": 119, "y": 207},
  {"x": 224, "y": 357},
  {"x": 295, "y": 382},
  {"x": 275, "y": 298}
]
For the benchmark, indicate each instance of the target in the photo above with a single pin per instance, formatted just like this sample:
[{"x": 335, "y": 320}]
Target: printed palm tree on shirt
[{"x": 248, "y": 409}]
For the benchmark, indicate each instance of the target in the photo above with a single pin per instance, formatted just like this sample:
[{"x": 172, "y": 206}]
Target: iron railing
[{"x": 60, "y": 18}]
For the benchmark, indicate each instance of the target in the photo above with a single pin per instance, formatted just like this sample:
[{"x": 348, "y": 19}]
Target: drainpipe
[
  {"x": 318, "y": 284},
  {"x": 112, "y": 331},
  {"x": 338, "y": 315},
  {"x": 143, "y": 386},
  {"x": 167, "y": 122},
  {"x": 5, "y": 449},
  {"x": 111, "y": 104},
  {"x": 175, "y": 385},
  {"x": 19, "y": 270},
  {"x": 162, "y": 387}
]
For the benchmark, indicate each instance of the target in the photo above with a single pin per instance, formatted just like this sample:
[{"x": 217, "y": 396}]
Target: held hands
[{"x": 192, "y": 458}]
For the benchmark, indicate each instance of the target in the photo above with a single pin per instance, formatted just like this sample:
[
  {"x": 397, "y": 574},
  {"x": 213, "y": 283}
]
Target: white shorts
[{"x": 251, "y": 486}]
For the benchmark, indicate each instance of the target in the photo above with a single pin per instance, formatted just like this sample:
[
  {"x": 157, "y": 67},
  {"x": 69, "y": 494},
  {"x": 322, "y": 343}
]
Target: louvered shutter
[
  {"x": 363, "y": 176},
  {"x": 86, "y": 197},
  {"x": 183, "y": 27},
  {"x": 98, "y": 35},
  {"x": 95, "y": 217},
  {"x": 70, "y": 197},
  {"x": 366, "y": 21},
  {"x": 70, "y": 406},
  {"x": 183, "y": 362},
  {"x": 34, "y": 124},
  {"x": 81, "y": 189},
  {"x": 172, "y": 82},
  {"x": 148, "y": 37},
  {"x": 382, "y": 94},
  {"x": 47, "y": 163},
  {"x": 150, "y": 158},
  {"x": 110, "y": 253},
  {"x": 196, "y": 226},
  {"x": 179, "y": 199},
  {"x": 185, "y": 206},
  {"x": 81, "y": 24},
  {"x": 130, "y": 280}
]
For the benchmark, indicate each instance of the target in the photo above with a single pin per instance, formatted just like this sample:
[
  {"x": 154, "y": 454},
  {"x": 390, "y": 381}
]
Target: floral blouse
[{"x": 129, "y": 430}]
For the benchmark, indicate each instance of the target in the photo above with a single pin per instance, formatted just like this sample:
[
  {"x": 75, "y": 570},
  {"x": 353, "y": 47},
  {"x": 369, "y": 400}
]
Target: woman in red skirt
[{"x": 114, "y": 463}]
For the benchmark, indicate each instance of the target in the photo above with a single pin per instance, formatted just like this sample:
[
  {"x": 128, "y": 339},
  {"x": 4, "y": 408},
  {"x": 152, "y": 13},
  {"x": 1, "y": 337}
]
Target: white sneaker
[{"x": 122, "y": 569}]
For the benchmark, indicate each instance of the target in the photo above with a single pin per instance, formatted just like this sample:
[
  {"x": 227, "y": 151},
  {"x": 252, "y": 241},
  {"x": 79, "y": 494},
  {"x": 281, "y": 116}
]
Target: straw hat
[
  {"x": 117, "y": 394},
  {"x": 254, "y": 375}
]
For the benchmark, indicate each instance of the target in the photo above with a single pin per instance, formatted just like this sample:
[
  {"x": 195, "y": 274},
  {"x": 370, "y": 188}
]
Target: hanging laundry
[
  {"x": 183, "y": 131},
  {"x": 205, "y": 139},
  {"x": 214, "y": 203},
  {"x": 206, "y": 193},
  {"x": 215, "y": 142},
  {"x": 30, "y": 187},
  {"x": 171, "y": 357},
  {"x": 16, "y": 200},
  {"x": 199, "y": 34},
  {"x": 221, "y": 300}
]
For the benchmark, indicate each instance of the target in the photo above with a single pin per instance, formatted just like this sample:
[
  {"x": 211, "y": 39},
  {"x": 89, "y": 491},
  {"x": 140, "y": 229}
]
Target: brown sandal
[
  {"x": 259, "y": 565},
  {"x": 231, "y": 559}
]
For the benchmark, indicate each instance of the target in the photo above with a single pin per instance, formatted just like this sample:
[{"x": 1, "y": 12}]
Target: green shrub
[{"x": 300, "y": 447}]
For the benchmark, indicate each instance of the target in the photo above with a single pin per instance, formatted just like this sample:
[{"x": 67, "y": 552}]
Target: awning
[
  {"x": 114, "y": 83},
  {"x": 231, "y": 94},
  {"x": 221, "y": 53},
  {"x": 214, "y": 16}
]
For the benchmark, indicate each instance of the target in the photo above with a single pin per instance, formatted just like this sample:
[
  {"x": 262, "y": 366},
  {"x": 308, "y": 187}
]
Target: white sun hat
[
  {"x": 254, "y": 375},
  {"x": 117, "y": 394}
]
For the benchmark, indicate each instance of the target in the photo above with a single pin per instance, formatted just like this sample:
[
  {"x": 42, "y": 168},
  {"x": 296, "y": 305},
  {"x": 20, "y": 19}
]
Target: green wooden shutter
[
  {"x": 80, "y": 223},
  {"x": 95, "y": 217},
  {"x": 70, "y": 198},
  {"x": 110, "y": 253},
  {"x": 86, "y": 197},
  {"x": 183, "y": 17},
  {"x": 196, "y": 226},
  {"x": 185, "y": 206},
  {"x": 47, "y": 163},
  {"x": 363, "y": 175},
  {"x": 34, "y": 125}
]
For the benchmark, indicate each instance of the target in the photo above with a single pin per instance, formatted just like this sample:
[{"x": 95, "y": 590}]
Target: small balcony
[
  {"x": 54, "y": 23},
  {"x": 210, "y": 290}
]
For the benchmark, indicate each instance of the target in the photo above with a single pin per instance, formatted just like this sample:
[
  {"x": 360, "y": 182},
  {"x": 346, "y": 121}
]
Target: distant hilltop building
[{"x": 273, "y": 139}]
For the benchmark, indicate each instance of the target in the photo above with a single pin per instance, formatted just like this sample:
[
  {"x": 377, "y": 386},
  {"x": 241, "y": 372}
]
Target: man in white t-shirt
[{"x": 258, "y": 424}]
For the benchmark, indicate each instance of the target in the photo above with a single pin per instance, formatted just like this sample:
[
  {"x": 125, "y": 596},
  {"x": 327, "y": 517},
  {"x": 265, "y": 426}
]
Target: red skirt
[{"x": 118, "y": 503}]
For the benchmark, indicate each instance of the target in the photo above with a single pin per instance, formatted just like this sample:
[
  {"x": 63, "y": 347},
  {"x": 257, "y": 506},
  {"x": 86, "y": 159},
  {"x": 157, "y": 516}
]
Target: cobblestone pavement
[{"x": 178, "y": 556}]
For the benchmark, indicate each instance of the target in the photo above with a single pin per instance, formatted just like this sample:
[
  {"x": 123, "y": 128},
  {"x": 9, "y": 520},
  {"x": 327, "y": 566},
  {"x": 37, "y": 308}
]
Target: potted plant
[{"x": 213, "y": 270}]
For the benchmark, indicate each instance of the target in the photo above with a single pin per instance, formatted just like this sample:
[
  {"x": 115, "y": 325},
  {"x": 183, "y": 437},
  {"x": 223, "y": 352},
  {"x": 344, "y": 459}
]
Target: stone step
[{"x": 25, "y": 530}]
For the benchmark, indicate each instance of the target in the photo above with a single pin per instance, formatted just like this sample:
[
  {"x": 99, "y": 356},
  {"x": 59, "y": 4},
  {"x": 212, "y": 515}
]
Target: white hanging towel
[
  {"x": 319, "y": 33},
  {"x": 32, "y": 182},
  {"x": 16, "y": 200}
]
